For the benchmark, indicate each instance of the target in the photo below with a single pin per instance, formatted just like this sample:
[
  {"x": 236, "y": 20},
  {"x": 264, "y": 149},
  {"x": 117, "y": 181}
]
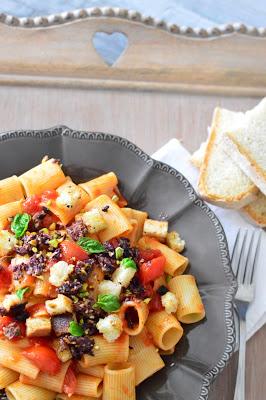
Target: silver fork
[{"x": 244, "y": 258}]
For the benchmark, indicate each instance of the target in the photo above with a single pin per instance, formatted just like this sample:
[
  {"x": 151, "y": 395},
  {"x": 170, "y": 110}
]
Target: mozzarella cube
[
  {"x": 7, "y": 242},
  {"x": 38, "y": 327},
  {"x": 59, "y": 273},
  {"x": 109, "y": 287},
  {"x": 69, "y": 196},
  {"x": 169, "y": 302},
  {"x": 156, "y": 229},
  {"x": 174, "y": 241},
  {"x": 11, "y": 300},
  {"x": 123, "y": 276},
  {"x": 94, "y": 220},
  {"x": 111, "y": 327},
  {"x": 60, "y": 305}
]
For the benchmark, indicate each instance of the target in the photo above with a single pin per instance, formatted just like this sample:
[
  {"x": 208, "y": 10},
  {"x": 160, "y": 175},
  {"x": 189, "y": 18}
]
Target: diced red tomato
[
  {"x": 48, "y": 220},
  {"x": 71, "y": 250},
  {"x": 49, "y": 195},
  {"x": 40, "y": 341},
  {"x": 44, "y": 358},
  {"x": 32, "y": 204},
  {"x": 38, "y": 310},
  {"x": 155, "y": 304},
  {"x": 4, "y": 321},
  {"x": 5, "y": 279},
  {"x": 114, "y": 242},
  {"x": 149, "y": 254},
  {"x": 70, "y": 382},
  {"x": 151, "y": 270}
]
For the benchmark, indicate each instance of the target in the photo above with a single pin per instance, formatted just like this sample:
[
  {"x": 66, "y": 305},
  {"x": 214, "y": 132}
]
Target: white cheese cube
[
  {"x": 123, "y": 275},
  {"x": 38, "y": 327},
  {"x": 169, "y": 302},
  {"x": 94, "y": 220},
  {"x": 174, "y": 241},
  {"x": 109, "y": 287},
  {"x": 59, "y": 273},
  {"x": 7, "y": 242},
  {"x": 60, "y": 305},
  {"x": 111, "y": 327},
  {"x": 68, "y": 197},
  {"x": 156, "y": 229}
]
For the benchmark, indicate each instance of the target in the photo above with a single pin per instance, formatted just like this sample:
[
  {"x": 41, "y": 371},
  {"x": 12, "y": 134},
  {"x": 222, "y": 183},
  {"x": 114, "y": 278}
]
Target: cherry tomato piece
[
  {"x": 44, "y": 358},
  {"x": 32, "y": 204},
  {"x": 4, "y": 322},
  {"x": 151, "y": 270},
  {"x": 49, "y": 195},
  {"x": 149, "y": 254},
  {"x": 155, "y": 304},
  {"x": 71, "y": 250},
  {"x": 70, "y": 382},
  {"x": 5, "y": 279}
]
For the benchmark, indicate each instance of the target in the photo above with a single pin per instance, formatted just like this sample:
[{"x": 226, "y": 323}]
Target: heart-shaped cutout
[{"x": 110, "y": 46}]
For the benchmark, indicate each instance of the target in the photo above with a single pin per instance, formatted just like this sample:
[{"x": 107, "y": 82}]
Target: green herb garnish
[
  {"x": 91, "y": 245},
  {"x": 20, "y": 224},
  {"x": 20, "y": 292},
  {"x": 128, "y": 263},
  {"x": 75, "y": 329},
  {"x": 108, "y": 302},
  {"x": 119, "y": 252}
]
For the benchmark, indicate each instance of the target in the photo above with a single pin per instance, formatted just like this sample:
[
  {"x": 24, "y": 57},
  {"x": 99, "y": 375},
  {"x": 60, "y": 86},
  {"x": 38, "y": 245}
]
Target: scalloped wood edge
[
  {"x": 131, "y": 15},
  {"x": 58, "y": 52}
]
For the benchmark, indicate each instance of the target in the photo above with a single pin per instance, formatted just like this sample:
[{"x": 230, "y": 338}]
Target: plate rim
[{"x": 64, "y": 131}]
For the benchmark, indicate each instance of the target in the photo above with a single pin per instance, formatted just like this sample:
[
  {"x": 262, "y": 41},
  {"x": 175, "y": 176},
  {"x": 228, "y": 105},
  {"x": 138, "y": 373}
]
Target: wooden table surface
[{"x": 149, "y": 121}]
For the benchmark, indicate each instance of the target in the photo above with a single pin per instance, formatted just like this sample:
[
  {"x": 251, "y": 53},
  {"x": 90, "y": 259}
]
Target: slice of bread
[
  {"x": 198, "y": 155},
  {"x": 246, "y": 145},
  {"x": 221, "y": 181},
  {"x": 256, "y": 211}
]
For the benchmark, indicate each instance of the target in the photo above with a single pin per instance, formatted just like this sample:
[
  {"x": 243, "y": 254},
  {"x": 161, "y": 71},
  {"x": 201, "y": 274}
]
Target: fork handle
[{"x": 240, "y": 380}]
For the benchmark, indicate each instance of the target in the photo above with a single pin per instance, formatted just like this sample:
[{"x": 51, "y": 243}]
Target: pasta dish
[{"x": 92, "y": 292}]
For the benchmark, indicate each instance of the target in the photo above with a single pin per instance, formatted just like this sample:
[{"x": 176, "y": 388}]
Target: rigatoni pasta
[
  {"x": 190, "y": 308},
  {"x": 89, "y": 294}
]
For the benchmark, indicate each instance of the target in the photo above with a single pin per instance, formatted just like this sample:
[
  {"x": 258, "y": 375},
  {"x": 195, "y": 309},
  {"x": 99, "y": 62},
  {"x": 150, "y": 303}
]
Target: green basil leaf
[
  {"x": 75, "y": 329},
  {"x": 20, "y": 292},
  {"x": 128, "y": 263},
  {"x": 91, "y": 245},
  {"x": 108, "y": 302},
  {"x": 20, "y": 224}
]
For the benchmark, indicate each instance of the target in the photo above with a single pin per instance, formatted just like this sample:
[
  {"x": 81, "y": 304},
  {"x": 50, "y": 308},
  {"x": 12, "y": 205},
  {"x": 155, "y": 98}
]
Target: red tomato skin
[
  {"x": 155, "y": 304},
  {"x": 49, "y": 195},
  {"x": 5, "y": 279},
  {"x": 4, "y": 321},
  {"x": 72, "y": 251},
  {"x": 149, "y": 254},
  {"x": 70, "y": 382},
  {"x": 44, "y": 358},
  {"x": 38, "y": 310},
  {"x": 32, "y": 204},
  {"x": 49, "y": 219},
  {"x": 151, "y": 270}
]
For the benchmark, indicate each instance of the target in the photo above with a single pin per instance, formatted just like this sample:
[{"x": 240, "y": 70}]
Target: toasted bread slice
[
  {"x": 221, "y": 181},
  {"x": 198, "y": 156},
  {"x": 246, "y": 145},
  {"x": 256, "y": 211}
]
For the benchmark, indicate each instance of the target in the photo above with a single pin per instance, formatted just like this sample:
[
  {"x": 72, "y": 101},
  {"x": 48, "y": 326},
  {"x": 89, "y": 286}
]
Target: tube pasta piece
[
  {"x": 134, "y": 315},
  {"x": 104, "y": 184},
  {"x": 140, "y": 217},
  {"x": 61, "y": 396},
  {"x": 11, "y": 357},
  {"x": 71, "y": 199},
  {"x": 119, "y": 382},
  {"x": 144, "y": 356},
  {"x": 117, "y": 222},
  {"x": 20, "y": 391},
  {"x": 165, "y": 329},
  {"x": 7, "y": 376},
  {"x": 10, "y": 190},
  {"x": 46, "y": 381},
  {"x": 176, "y": 264},
  {"x": 156, "y": 229},
  {"x": 106, "y": 352},
  {"x": 190, "y": 308},
  {"x": 45, "y": 176},
  {"x": 89, "y": 386},
  {"x": 96, "y": 370},
  {"x": 9, "y": 210},
  {"x": 132, "y": 235},
  {"x": 167, "y": 352}
]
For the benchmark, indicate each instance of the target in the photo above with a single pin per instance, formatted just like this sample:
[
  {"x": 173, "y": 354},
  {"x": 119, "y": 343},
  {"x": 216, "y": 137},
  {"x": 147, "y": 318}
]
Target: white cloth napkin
[{"x": 174, "y": 154}]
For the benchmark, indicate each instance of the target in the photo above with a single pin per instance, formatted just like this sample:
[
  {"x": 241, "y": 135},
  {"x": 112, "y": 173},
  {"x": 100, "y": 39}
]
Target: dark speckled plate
[{"x": 164, "y": 193}]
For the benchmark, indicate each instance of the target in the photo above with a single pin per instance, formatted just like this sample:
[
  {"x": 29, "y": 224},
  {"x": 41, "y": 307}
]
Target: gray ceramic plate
[{"x": 164, "y": 193}]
